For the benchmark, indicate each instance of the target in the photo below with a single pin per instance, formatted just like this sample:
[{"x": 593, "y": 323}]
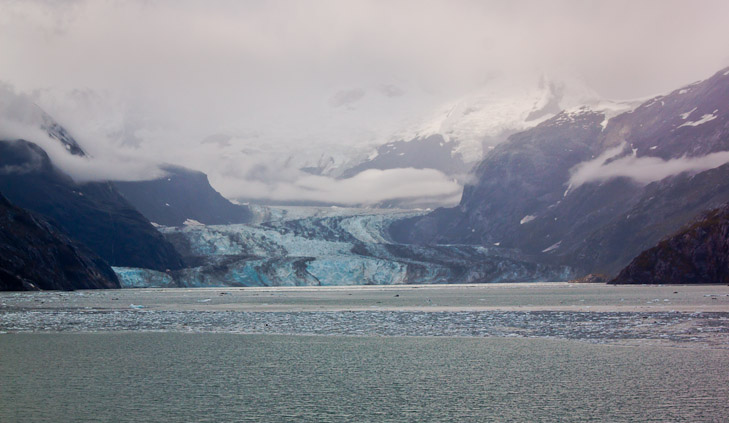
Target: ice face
[
  {"x": 130, "y": 277},
  {"x": 329, "y": 248}
]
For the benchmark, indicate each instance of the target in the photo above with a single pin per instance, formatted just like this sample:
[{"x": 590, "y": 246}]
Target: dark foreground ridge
[
  {"x": 35, "y": 255},
  {"x": 94, "y": 213},
  {"x": 699, "y": 253}
]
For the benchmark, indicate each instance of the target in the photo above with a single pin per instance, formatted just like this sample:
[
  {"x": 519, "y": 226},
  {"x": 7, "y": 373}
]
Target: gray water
[{"x": 229, "y": 377}]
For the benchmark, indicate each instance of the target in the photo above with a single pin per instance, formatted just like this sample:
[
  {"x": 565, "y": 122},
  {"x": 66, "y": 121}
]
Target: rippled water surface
[{"x": 230, "y": 377}]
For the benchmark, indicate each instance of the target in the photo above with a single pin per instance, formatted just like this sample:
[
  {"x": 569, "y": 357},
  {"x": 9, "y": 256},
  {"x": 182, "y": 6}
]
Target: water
[
  {"x": 226, "y": 377},
  {"x": 536, "y": 352}
]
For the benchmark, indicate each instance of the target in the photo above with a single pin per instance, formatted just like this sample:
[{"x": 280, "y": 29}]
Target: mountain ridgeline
[
  {"x": 592, "y": 193},
  {"x": 182, "y": 195},
  {"x": 94, "y": 214}
]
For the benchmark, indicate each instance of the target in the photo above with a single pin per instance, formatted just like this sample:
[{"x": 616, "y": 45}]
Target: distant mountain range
[{"x": 583, "y": 190}]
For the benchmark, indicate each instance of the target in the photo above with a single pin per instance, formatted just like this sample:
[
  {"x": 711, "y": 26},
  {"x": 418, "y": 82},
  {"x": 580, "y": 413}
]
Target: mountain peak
[{"x": 502, "y": 106}]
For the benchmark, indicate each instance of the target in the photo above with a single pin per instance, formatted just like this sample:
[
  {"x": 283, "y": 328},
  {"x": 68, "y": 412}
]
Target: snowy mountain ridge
[{"x": 485, "y": 117}]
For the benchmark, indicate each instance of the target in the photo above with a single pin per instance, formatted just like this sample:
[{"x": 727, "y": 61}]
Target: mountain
[
  {"x": 182, "y": 195},
  {"x": 93, "y": 213},
  {"x": 524, "y": 174},
  {"x": 456, "y": 135},
  {"x": 36, "y": 255},
  {"x": 592, "y": 188},
  {"x": 698, "y": 253},
  {"x": 432, "y": 152}
]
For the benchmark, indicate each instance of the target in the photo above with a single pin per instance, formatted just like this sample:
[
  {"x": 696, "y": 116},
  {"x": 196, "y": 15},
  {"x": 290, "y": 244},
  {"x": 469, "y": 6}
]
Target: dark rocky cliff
[
  {"x": 699, "y": 253},
  {"x": 36, "y": 255},
  {"x": 181, "y": 195},
  {"x": 94, "y": 214}
]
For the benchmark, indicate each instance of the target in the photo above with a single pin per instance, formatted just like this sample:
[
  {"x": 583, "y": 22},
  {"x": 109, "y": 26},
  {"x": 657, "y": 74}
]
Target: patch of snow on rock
[
  {"x": 192, "y": 222},
  {"x": 552, "y": 247},
  {"x": 704, "y": 119},
  {"x": 685, "y": 116},
  {"x": 526, "y": 219}
]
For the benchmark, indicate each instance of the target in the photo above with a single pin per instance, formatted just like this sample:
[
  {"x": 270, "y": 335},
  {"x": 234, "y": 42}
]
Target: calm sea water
[{"x": 226, "y": 377}]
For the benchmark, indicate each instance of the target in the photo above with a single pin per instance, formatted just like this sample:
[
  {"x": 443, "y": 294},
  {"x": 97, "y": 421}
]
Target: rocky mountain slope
[
  {"x": 94, "y": 214},
  {"x": 182, "y": 195},
  {"x": 36, "y": 255},
  {"x": 432, "y": 152},
  {"x": 699, "y": 253},
  {"x": 587, "y": 191}
]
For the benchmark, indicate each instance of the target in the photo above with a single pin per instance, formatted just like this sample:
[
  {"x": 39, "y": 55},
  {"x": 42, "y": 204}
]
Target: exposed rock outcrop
[
  {"x": 36, "y": 255},
  {"x": 699, "y": 253}
]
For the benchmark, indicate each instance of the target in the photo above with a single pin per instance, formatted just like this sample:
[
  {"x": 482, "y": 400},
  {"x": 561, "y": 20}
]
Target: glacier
[{"x": 328, "y": 246}]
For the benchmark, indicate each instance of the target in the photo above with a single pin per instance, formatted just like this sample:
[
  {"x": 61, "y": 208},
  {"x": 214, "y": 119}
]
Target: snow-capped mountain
[
  {"x": 591, "y": 191},
  {"x": 485, "y": 117},
  {"x": 449, "y": 138},
  {"x": 455, "y": 136}
]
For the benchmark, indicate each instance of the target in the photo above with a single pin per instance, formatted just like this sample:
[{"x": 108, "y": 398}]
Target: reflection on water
[{"x": 222, "y": 377}]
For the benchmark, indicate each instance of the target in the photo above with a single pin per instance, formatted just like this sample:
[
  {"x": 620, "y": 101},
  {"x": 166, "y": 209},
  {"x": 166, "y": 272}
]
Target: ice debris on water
[{"x": 711, "y": 328}]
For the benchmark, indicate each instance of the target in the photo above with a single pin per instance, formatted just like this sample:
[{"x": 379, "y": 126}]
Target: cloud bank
[
  {"x": 642, "y": 170},
  {"x": 278, "y": 85},
  {"x": 20, "y": 118},
  {"x": 251, "y": 175}
]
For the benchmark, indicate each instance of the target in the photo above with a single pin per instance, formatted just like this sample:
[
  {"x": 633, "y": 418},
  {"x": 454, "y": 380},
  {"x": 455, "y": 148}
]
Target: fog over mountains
[
  {"x": 287, "y": 103},
  {"x": 286, "y": 145}
]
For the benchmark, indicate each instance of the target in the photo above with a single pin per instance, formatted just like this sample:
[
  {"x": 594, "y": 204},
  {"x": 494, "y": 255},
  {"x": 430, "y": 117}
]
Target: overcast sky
[{"x": 159, "y": 78}]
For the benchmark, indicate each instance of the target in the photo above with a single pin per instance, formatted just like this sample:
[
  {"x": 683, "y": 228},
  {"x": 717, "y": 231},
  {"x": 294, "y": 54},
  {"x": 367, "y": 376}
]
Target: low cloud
[
  {"x": 251, "y": 173},
  {"x": 642, "y": 170},
  {"x": 366, "y": 188},
  {"x": 20, "y": 118}
]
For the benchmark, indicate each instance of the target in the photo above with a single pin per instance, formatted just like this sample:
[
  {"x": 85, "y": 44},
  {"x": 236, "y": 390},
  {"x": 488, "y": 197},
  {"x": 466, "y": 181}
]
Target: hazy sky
[{"x": 157, "y": 78}]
